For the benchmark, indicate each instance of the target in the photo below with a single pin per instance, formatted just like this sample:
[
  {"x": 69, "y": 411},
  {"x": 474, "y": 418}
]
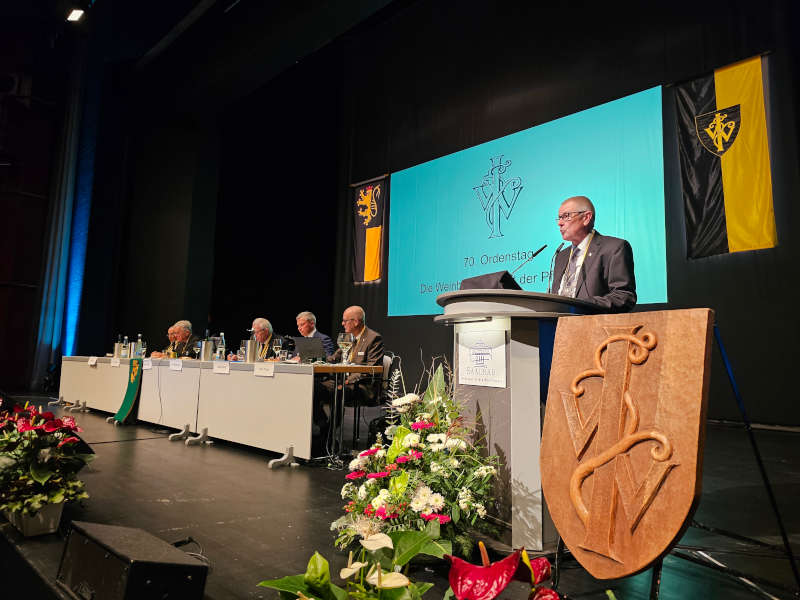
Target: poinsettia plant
[
  {"x": 430, "y": 470},
  {"x": 40, "y": 456}
]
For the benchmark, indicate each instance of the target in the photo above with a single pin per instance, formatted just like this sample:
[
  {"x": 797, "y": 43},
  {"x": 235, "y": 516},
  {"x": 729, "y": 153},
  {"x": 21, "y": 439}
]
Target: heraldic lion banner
[{"x": 623, "y": 436}]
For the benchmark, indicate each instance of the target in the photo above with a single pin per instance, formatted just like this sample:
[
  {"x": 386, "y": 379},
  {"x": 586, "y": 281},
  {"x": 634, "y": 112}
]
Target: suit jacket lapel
[
  {"x": 593, "y": 253},
  {"x": 562, "y": 258}
]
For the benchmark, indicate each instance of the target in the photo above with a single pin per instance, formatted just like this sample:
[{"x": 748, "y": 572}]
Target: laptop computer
[{"x": 309, "y": 349}]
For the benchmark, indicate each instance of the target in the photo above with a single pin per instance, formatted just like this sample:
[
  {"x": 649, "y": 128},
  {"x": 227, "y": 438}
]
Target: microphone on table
[
  {"x": 527, "y": 260},
  {"x": 553, "y": 264}
]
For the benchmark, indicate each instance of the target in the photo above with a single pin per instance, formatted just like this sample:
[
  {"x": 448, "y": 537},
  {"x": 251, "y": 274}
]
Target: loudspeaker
[
  {"x": 501, "y": 280},
  {"x": 106, "y": 562}
]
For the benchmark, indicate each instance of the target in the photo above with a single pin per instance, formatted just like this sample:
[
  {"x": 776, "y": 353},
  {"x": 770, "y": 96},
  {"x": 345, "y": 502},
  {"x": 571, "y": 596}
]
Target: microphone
[
  {"x": 527, "y": 260},
  {"x": 553, "y": 264}
]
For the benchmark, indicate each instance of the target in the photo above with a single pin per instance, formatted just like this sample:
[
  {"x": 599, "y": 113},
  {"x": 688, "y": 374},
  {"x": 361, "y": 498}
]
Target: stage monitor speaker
[
  {"x": 122, "y": 563},
  {"x": 501, "y": 280}
]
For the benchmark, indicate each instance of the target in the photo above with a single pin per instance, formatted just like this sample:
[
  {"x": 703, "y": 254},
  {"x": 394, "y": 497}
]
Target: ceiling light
[{"x": 75, "y": 15}]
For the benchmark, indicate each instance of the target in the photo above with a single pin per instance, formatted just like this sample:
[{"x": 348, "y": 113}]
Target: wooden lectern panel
[{"x": 623, "y": 436}]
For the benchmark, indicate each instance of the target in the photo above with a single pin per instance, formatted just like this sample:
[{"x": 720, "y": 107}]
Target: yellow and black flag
[
  {"x": 725, "y": 168},
  {"x": 369, "y": 202}
]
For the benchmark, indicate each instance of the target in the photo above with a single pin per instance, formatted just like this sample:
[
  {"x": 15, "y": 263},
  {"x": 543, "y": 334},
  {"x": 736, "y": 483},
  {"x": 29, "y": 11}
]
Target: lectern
[{"x": 502, "y": 349}]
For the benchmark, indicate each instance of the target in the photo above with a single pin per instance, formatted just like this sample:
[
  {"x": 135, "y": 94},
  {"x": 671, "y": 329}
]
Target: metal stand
[
  {"x": 114, "y": 421},
  {"x": 183, "y": 435},
  {"x": 79, "y": 406},
  {"x": 701, "y": 556},
  {"x": 59, "y": 402},
  {"x": 286, "y": 459},
  {"x": 201, "y": 439}
]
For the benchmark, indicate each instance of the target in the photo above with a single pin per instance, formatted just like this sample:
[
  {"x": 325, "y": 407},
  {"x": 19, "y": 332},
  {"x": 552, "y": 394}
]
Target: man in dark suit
[
  {"x": 184, "y": 339},
  {"x": 595, "y": 267},
  {"x": 307, "y": 326}
]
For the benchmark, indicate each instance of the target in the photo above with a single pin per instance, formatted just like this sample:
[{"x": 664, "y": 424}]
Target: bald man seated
[{"x": 594, "y": 267}]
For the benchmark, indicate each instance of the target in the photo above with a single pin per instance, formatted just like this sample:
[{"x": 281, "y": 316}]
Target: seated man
[
  {"x": 170, "y": 348},
  {"x": 307, "y": 326},
  {"x": 184, "y": 339},
  {"x": 367, "y": 350},
  {"x": 263, "y": 334}
]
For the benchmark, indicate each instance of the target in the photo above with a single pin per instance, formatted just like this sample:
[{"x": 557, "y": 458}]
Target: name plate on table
[
  {"x": 92, "y": 361},
  {"x": 264, "y": 369},
  {"x": 222, "y": 366},
  {"x": 147, "y": 364},
  {"x": 115, "y": 362},
  {"x": 175, "y": 364}
]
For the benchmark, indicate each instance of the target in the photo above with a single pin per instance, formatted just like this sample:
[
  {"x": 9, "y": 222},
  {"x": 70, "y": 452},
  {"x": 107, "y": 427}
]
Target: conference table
[{"x": 265, "y": 405}]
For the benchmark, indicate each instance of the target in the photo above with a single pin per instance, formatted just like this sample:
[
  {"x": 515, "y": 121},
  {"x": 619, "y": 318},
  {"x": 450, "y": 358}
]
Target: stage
[{"x": 254, "y": 523}]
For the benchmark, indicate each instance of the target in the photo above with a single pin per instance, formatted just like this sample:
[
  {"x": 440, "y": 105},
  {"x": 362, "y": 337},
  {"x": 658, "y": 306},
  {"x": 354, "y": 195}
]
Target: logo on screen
[
  {"x": 717, "y": 130},
  {"x": 480, "y": 354},
  {"x": 498, "y": 194}
]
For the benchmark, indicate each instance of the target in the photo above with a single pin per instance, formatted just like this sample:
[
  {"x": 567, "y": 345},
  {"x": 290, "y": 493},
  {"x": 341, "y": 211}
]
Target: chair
[{"x": 389, "y": 359}]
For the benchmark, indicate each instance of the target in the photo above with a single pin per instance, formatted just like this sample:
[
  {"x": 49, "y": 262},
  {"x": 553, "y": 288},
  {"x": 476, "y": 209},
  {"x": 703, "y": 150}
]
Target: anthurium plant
[
  {"x": 40, "y": 457},
  {"x": 379, "y": 570},
  {"x": 431, "y": 469}
]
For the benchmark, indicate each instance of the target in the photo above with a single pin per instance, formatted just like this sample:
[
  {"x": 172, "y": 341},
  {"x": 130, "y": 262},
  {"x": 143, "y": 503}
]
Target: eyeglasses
[
  {"x": 347, "y": 320},
  {"x": 568, "y": 216}
]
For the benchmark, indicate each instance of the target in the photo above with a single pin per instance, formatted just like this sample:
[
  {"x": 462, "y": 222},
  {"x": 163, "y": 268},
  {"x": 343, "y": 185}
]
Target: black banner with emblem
[{"x": 369, "y": 202}]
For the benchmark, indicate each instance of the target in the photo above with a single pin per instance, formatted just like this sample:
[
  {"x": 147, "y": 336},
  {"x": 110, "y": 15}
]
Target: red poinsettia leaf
[{"x": 474, "y": 582}]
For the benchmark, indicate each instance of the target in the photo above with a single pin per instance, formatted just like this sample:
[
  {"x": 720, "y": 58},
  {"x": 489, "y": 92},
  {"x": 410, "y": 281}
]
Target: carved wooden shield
[{"x": 623, "y": 435}]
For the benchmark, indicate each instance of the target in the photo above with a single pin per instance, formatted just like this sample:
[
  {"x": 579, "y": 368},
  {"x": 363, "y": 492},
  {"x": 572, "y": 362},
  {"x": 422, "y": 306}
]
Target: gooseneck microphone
[
  {"x": 527, "y": 260},
  {"x": 552, "y": 266}
]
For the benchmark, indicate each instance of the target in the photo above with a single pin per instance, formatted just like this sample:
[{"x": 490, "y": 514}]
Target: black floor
[{"x": 255, "y": 523}]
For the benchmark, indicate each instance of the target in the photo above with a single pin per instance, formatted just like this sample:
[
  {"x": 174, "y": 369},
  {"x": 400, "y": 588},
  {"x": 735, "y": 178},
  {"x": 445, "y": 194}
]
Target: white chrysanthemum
[
  {"x": 362, "y": 492},
  {"x": 371, "y": 482},
  {"x": 453, "y": 462},
  {"x": 436, "y": 438},
  {"x": 418, "y": 505},
  {"x": 389, "y": 431},
  {"x": 380, "y": 453},
  {"x": 424, "y": 493},
  {"x": 405, "y": 400},
  {"x": 436, "y": 502},
  {"x": 455, "y": 444},
  {"x": 411, "y": 440},
  {"x": 380, "y": 499},
  {"x": 357, "y": 463},
  {"x": 347, "y": 489}
]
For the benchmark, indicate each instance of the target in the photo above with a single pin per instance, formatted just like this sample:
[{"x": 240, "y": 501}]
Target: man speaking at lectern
[{"x": 595, "y": 267}]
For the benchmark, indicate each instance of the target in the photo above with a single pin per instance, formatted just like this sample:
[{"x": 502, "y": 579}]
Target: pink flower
[
  {"x": 381, "y": 513},
  {"x": 71, "y": 439},
  {"x": 415, "y": 454},
  {"x": 369, "y": 452},
  {"x": 355, "y": 475},
  {"x": 422, "y": 425},
  {"x": 25, "y": 425},
  {"x": 53, "y": 425},
  {"x": 433, "y": 517},
  {"x": 444, "y": 519},
  {"x": 69, "y": 423},
  {"x": 378, "y": 475},
  {"x": 403, "y": 458}
]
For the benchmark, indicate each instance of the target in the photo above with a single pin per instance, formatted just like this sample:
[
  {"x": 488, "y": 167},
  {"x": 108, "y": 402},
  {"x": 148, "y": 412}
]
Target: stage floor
[{"x": 255, "y": 523}]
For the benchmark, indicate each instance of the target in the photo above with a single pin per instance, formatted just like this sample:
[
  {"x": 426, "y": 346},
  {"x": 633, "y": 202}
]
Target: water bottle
[
  {"x": 138, "y": 352},
  {"x": 221, "y": 349},
  {"x": 125, "y": 345}
]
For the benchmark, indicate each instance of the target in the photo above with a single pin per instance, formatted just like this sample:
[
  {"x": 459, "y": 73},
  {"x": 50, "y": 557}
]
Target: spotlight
[{"x": 75, "y": 15}]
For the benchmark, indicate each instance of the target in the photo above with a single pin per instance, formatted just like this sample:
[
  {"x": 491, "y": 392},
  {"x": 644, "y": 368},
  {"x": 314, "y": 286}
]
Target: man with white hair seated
[
  {"x": 263, "y": 334},
  {"x": 184, "y": 339}
]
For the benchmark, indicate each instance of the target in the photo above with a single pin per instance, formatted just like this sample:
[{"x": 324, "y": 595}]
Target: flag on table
[
  {"x": 725, "y": 168},
  {"x": 369, "y": 202}
]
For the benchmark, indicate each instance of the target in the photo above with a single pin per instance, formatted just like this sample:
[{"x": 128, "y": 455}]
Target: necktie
[{"x": 571, "y": 276}]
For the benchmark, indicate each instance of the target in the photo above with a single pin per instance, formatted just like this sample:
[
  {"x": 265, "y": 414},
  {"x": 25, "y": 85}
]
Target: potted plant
[{"x": 40, "y": 457}]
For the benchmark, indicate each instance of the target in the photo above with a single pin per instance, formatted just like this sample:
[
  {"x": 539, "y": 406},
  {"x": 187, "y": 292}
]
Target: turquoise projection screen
[{"x": 449, "y": 220}]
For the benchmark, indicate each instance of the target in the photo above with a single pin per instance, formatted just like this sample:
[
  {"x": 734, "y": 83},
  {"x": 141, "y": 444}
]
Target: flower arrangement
[
  {"x": 39, "y": 460},
  {"x": 430, "y": 472}
]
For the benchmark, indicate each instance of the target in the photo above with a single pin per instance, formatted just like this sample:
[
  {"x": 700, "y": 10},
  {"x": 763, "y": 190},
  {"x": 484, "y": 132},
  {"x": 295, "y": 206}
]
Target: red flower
[
  {"x": 378, "y": 475},
  {"x": 415, "y": 454},
  {"x": 25, "y": 425},
  {"x": 369, "y": 511},
  {"x": 474, "y": 582},
  {"x": 391, "y": 467},
  {"x": 355, "y": 475},
  {"x": 434, "y": 517},
  {"x": 53, "y": 425},
  {"x": 69, "y": 440},
  {"x": 47, "y": 415},
  {"x": 381, "y": 513},
  {"x": 69, "y": 423},
  {"x": 369, "y": 452},
  {"x": 422, "y": 425},
  {"x": 403, "y": 459},
  {"x": 540, "y": 569},
  {"x": 18, "y": 409}
]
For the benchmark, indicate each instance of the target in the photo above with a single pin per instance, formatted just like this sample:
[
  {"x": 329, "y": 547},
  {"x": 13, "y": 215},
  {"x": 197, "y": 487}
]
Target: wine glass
[
  {"x": 196, "y": 348},
  {"x": 277, "y": 344},
  {"x": 345, "y": 342},
  {"x": 144, "y": 348}
]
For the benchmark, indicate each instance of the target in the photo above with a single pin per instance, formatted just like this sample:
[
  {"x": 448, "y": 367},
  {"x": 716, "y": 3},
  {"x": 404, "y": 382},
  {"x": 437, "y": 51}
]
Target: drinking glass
[
  {"x": 345, "y": 342},
  {"x": 196, "y": 348},
  {"x": 144, "y": 348},
  {"x": 277, "y": 344}
]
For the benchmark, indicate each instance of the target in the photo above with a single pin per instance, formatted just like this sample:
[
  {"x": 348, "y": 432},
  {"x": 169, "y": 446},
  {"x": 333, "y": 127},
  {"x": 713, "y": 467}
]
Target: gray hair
[
  {"x": 262, "y": 323},
  {"x": 308, "y": 316},
  {"x": 361, "y": 312},
  {"x": 187, "y": 325}
]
